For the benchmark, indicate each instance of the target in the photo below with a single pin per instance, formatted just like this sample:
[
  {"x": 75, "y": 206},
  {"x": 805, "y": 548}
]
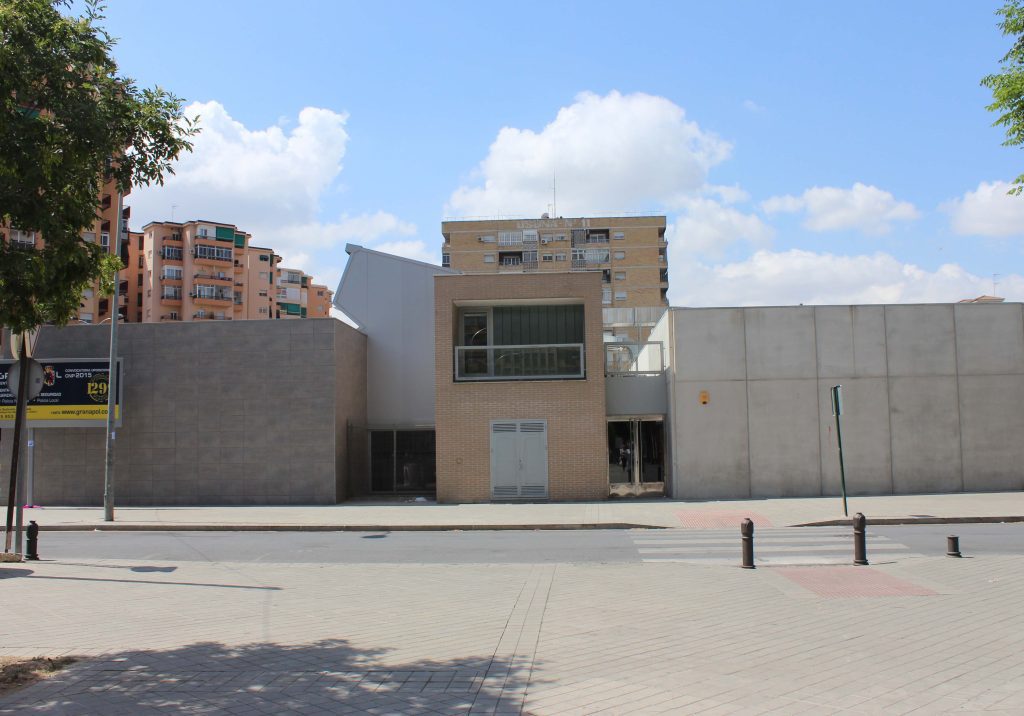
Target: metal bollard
[
  {"x": 860, "y": 547},
  {"x": 32, "y": 546},
  {"x": 953, "y": 546},
  {"x": 747, "y": 535}
]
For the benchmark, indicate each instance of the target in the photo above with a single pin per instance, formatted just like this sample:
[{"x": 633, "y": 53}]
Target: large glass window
[{"x": 402, "y": 461}]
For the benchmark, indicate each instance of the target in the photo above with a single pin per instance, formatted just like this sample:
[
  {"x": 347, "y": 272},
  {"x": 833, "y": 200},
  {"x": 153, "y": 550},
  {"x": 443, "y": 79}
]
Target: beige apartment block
[
  {"x": 628, "y": 252},
  {"x": 520, "y": 387}
]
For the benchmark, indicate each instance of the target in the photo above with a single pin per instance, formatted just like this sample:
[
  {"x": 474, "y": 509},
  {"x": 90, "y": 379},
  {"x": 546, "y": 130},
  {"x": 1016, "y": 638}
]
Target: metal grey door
[{"x": 519, "y": 459}]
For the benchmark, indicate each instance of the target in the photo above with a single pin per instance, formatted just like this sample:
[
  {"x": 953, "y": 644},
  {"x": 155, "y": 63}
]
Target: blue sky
[{"x": 802, "y": 151}]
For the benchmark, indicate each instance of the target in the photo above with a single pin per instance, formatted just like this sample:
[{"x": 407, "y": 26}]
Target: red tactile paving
[
  {"x": 719, "y": 519},
  {"x": 840, "y": 582}
]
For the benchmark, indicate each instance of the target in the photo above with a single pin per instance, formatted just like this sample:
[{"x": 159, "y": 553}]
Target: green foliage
[
  {"x": 1008, "y": 85},
  {"x": 68, "y": 122}
]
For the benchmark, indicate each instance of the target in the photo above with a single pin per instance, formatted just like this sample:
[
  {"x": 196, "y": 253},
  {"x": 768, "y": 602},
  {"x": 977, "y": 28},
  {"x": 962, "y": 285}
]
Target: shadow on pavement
[
  {"x": 328, "y": 676},
  {"x": 12, "y": 572}
]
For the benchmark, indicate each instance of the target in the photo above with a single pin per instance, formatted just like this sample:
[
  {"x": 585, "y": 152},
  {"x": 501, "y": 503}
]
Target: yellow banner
[{"x": 61, "y": 412}]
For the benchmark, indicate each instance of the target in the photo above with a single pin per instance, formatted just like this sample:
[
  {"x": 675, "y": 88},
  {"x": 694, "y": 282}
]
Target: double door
[
  {"x": 636, "y": 455},
  {"x": 519, "y": 459}
]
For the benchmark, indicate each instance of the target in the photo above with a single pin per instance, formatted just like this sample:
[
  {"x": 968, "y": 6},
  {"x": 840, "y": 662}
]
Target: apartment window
[
  {"x": 23, "y": 239},
  {"x": 217, "y": 253},
  {"x": 559, "y": 257},
  {"x": 138, "y": 300},
  {"x": 620, "y": 295},
  {"x": 530, "y": 236},
  {"x": 87, "y": 236},
  {"x": 597, "y": 238},
  {"x": 262, "y": 293},
  {"x": 171, "y": 292},
  {"x": 172, "y": 272},
  {"x": 488, "y": 258},
  {"x": 105, "y": 240},
  {"x": 264, "y": 275},
  {"x": 619, "y": 255},
  {"x": 487, "y": 239},
  {"x": 320, "y": 294},
  {"x": 510, "y": 238},
  {"x": 282, "y": 294},
  {"x": 530, "y": 256},
  {"x": 263, "y": 310},
  {"x": 618, "y": 235},
  {"x": 140, "y": 243},
  {"x": 591, "y": 256},
  {"x": 606, "y": 296},
  {"x": 85, "y": 317},
  {"x": 264, "y": 257},
  {"x": 139, "y": 281},
  {"x": 547, "y": 257},
  {"x": 172, "y": 253},
  {"x": 446, "y": 260},
  {"x": 138, "y": 317},
  {"x": 620, "y": 275},
  {"x": 217, "y": 292},
  {"x": 142, "y": 262}
]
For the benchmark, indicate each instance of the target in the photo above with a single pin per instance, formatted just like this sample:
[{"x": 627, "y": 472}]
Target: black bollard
[
  {"x": 747, "y": 535},
  {"x": 953, "y": 546},
  {"x": 32, "y": 546},
  {"x": 860, "y": 547}
]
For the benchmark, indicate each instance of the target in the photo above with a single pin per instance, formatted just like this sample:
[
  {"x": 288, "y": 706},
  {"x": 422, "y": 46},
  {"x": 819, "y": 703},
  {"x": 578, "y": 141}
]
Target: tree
[
  {"x": 1008, "y": 84},
  {"x": 68, "y": 122}
]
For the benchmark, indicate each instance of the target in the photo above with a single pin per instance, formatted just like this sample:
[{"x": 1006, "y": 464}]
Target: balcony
[
  {"x": 215, "y": 300},
  {"x": 170, "y": 317},
  {"x": 209, "y": 317},
  {"x": 212, "y": 277},
  {"x": 584, "y": 265},
  {"x": 633, "y": 358},
  {"x": 562, "y": 361},
  {"x": 170, "y": 299},
  {"x": 171, "y": 255}
]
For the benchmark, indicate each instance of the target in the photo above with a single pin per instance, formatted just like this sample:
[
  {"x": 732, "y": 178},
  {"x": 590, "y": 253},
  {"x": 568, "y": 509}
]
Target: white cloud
[
  {"x": 416, "y": 250},
  {"x": 706, "y": 227},
  {"x": 795, "y": 276},
  {"x": 752, "y": 106},
  {"x": 268, "y": 182},
  {"x": 987, "y": 211},
  {"x": 827, "y": 208},
  {"x": 611, "y": 153}
]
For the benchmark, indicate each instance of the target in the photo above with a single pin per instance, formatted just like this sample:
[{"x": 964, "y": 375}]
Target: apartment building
[
  {"x": 629, "y": 252},
  {"x": 208, "y": 270},
  {"x": 94, "y": 308},
  {"x": 297, "y": 296}
]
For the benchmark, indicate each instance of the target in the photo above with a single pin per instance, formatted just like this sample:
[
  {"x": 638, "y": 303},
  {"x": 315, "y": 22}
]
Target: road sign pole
[
  {"x": 837, "y": 410},
  {"x": 108, "y": 472}
]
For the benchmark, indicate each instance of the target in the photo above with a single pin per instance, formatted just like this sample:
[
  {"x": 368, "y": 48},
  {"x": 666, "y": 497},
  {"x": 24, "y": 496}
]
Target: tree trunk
[{"x": 19, "y": 419}]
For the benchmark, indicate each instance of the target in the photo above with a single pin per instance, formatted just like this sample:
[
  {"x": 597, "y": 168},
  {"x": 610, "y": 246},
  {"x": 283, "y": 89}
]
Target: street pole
[
  {"x": 108, "y": 472},
  {"x": 19, "y": 419},
  {"x": 837, "y": 409}
]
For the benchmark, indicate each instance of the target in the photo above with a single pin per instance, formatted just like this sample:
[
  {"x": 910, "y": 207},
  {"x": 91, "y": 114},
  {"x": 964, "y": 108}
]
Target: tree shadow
[{"x": 324, "y": 677}]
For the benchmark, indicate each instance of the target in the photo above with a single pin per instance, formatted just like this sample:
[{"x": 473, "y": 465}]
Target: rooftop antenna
[{"x": 994, "y": 282}]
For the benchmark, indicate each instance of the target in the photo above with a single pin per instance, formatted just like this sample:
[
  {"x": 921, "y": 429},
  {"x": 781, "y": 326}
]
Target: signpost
[{"x": 837, "y": 410}]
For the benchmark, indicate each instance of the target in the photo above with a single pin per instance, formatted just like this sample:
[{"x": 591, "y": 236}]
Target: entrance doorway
[{"x": 636, "y": 456}]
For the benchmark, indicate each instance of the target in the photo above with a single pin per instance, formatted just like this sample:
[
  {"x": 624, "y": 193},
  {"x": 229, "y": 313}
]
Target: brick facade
[{"x": 574, "y": 409}]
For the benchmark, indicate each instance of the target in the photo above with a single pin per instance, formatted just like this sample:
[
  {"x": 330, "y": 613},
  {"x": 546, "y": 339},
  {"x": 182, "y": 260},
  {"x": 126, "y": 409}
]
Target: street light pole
[{"x": 108, "y": 472}]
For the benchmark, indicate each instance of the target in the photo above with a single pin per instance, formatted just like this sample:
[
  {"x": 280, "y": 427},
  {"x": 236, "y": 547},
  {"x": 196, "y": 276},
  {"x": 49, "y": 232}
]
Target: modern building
[{"x": 629, "y": 253}]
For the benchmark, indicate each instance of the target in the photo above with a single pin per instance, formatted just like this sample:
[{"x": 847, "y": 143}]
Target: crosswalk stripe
[{"x": 803, "y": 546}]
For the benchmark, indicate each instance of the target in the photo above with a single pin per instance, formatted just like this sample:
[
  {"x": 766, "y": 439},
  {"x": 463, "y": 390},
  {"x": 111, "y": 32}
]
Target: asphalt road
[{"x": 790, "y": 545}]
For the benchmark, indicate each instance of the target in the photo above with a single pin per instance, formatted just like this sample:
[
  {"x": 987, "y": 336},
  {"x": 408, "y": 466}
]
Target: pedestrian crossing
[{"x": 772, "y": 546}]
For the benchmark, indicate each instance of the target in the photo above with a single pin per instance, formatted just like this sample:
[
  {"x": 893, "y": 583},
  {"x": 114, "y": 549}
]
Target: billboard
[{"x": 74, "y": 394}]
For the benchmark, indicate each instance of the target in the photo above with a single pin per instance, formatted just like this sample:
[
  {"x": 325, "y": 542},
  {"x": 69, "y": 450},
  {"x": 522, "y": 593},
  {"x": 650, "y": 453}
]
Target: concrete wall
[
  {"x": 392, "y": 300},
  {"x": 932, "y": 399},
  {"x": 215, "y": 412}
]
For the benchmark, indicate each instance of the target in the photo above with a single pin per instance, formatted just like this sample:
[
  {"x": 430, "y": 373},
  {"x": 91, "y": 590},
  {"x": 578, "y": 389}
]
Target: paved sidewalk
[
  {"x": 610, "y": 513},
  {"x": 931, "y": 634}
]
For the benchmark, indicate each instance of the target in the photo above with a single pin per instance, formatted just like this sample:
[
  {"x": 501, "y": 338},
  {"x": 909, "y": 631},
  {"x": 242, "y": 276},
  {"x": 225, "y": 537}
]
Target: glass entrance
[{"x": 636, "y": 456}]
